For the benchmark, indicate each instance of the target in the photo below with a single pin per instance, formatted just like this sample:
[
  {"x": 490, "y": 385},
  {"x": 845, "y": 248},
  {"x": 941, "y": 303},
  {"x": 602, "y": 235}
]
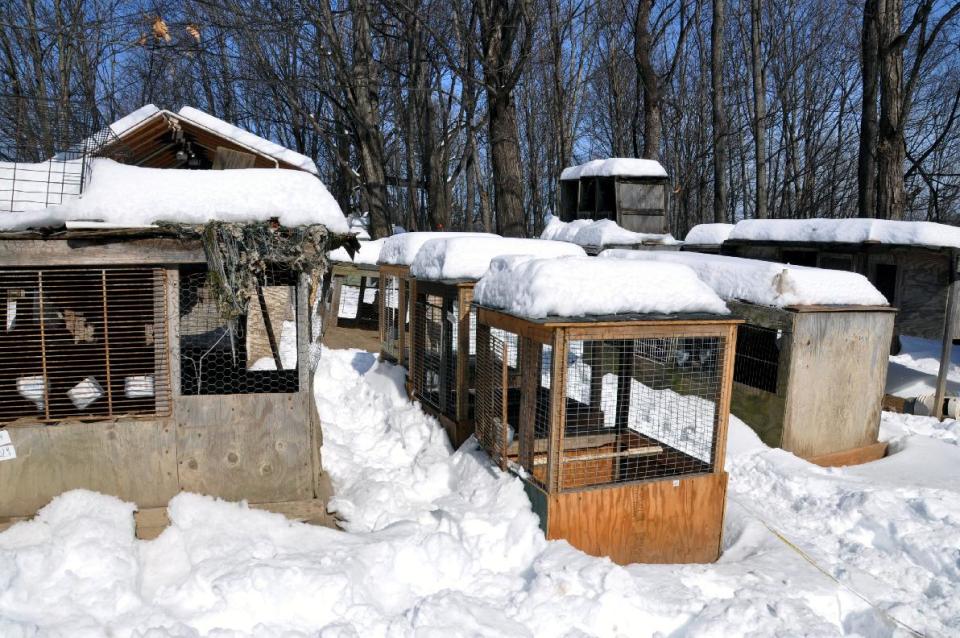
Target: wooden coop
[
  {"x": 121, "y": 373},
  {"x": 810, "y": 379},
  {"x": 122, "y": 377},
  {"x": 444, "y": 325},
  {"x": 353, "y": 296},
  {"x": 617, "y": 426},
  {"x": 631, "y": 192},
  {"x": 811, "y": 356}
]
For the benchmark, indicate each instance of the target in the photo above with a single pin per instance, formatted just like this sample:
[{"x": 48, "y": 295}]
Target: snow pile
[
  {"x": 766, "y": 283},
  {"x": 248, "y": 139},
  {"x": 469, "y": 257},
  {"x": 31, "y": 187},
  {"x": 582, "y": 286},
  {"x": 368, "y": 254},
  {"x": 445, "y": 544},
  {"x": 854, "y": 231},
  {"x": 402, "y": 249},
  {"x": 597, "y": 234},
  {"x": 913, "y": 372},
  {"x": 621, "y": 166},
  {"x": 708, "y": 234},
  {"x": 132, "y": 196},
  {"x": 558, "y": 230}
]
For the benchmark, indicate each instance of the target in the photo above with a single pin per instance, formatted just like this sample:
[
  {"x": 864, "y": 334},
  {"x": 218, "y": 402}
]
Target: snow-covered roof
[
  {"x": 248, "y": 139},
  {"x": 766, "y": 283},
  {"x": 469, "y": 257},
  {"x": 134, "y": 119},
  {"x": 215, "y": 125},
  {"x": 584, "y": 286},
  {"x": 621, "y": 166},
  {"x": 853, "y": 231},
  {"x": 600, "y": 233},
  {"x": 708, "y": 234},
  {"x": 402, "y": 249},
  {"x": 368, "y": 254},
  {"x": 132, "y": 196}
]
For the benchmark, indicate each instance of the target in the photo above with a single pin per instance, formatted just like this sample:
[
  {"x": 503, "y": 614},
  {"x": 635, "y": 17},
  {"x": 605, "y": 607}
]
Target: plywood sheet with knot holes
[
  {"x": 254, "y": 447},
  {"x": 668, "y": 521}
]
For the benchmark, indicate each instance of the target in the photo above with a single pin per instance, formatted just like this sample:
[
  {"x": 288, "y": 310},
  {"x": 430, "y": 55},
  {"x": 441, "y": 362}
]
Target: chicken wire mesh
[
  {"x": 83, "y": 343},
  {"x": 757, "y": 362},
  {"x": 255, "y": 353}
]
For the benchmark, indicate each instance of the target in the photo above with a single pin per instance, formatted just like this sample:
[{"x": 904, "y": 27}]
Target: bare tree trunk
[
  {"x": 759, "y": 111},
  {"x": 649, "y": 81},
  {"x": 505, "y": 161},
  {"x": 891, "y": 148},
  {"x": 720, "y": 139},
  {"x": 866, "y": 161}
]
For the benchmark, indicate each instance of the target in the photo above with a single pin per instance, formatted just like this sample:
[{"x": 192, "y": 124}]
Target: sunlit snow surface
[{"x": 442, "y": 544}]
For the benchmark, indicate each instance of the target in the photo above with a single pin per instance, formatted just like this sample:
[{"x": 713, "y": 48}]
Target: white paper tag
[
  {"x": 7, "y": 452},
  {"x": 4, "y": 437}
]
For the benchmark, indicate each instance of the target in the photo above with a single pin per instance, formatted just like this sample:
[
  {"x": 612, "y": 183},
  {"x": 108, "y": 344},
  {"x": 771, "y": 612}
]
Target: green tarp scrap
[{"x": 239, "y": 254}]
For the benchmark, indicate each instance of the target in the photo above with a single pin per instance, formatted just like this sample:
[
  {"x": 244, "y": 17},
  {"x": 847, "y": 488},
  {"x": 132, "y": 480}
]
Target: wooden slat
[
  {"x": 57, "y": 252},
  {"x": 558, "y": 410},
  {"x": 855, "y": 456}
]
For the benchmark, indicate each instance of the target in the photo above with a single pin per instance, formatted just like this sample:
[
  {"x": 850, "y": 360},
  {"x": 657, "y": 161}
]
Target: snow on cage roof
[
  {"x": 469, "y": 257},
  {"x": 131, "y": 196},
  {"x": 852, "y": 231},
  {"x": 134, "y": 119},
  {"x": 766, "y": 283},
  {"x": 708, "y": 234},
  {"x": 368, "y": 254},
  {"x": 604, "y": 232},
  {"x": 585, "y": 286},
  {"x": 402, "y": 249},
  {"x": 620, "y": 166}
]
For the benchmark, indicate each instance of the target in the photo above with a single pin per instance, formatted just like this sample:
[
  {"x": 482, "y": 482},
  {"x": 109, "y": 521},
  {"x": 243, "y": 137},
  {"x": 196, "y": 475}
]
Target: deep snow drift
[{"x": 443, "y": 544}]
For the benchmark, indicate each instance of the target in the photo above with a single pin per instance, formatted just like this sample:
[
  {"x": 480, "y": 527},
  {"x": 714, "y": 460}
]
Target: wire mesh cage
[
  {"x": 83, "y": 343},
  {"x": 757, "y": 362},
  {"x": 393, "y": 311},
  {"x": 256, "y": 353},
  {"x": 45, "y": 151},
  {"x": 617, "y": 408},
  {"x": 443, "y": 353},
  {"x": 353, "y": 297}
]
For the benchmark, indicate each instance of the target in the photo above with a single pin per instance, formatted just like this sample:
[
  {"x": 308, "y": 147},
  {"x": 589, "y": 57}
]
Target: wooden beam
[{"x": 946, "y": 346}]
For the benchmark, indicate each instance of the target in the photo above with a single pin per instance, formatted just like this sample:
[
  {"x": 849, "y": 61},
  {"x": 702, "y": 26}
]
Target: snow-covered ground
[
  {"x": 914, "y": 371},
  {"x": 440, "y": 543}
]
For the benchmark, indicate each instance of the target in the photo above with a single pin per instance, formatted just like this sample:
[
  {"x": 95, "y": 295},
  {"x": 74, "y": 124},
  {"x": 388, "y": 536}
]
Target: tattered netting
[{"x": 239, "y": 255}]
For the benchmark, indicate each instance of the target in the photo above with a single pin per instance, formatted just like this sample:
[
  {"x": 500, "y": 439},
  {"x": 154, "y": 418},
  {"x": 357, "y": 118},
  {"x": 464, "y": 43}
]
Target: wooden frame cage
[
  {"x": 396, "y": 289},
  {"x": 443, "y": 353},
  {"x": 122, "y": 377},
  {"x": 617, "y": 425},
  {"x": 810, "y": 379},
  {"x": 353, "y": 296},
  {"x": 636, "y": 203}
]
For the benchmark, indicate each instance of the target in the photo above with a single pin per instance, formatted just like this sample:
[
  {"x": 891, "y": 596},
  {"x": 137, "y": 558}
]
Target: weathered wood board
[{"x": 132, "y": 459}]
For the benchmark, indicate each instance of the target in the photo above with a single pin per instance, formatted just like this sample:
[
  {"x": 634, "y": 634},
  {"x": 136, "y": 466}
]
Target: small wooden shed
[
  {"x": 121, "y": 377},
  {"x": 811, "y": 356},
  {"x": 631, "y": 192},
  {"x": 617, "y": 425},
  {"x": 443, "y": 345}
]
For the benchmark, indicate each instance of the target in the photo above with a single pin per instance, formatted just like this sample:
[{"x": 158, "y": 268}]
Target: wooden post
[
  {"x": 946, "y": 347},
  {"x": 557, "y": 420},
  {"x": 529, "y": 358}
]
